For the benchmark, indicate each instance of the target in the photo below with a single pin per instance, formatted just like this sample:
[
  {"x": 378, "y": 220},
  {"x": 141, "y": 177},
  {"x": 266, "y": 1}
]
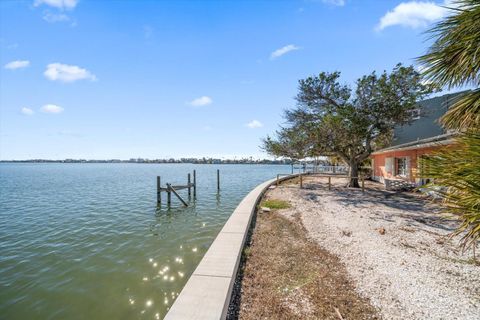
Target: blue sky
[{"x": 155, "y": 79}]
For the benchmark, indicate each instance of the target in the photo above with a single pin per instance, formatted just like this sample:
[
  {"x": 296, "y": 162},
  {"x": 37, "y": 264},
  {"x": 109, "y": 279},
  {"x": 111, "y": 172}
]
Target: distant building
[{"x": 398, "y": 165}]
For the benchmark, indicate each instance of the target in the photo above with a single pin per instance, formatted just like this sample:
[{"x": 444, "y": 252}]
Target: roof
[
  {"x": 442, "y": 139},
  {"x": 427, "y": 126}
]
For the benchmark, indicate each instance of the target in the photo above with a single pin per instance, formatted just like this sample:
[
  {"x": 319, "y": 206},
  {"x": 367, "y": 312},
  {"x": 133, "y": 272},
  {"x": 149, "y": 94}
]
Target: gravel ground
[{"x": 395, "y": 247}]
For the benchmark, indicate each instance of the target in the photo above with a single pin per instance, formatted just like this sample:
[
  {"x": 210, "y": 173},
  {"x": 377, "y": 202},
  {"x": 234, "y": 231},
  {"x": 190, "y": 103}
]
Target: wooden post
[
  {"x": 363, "y": 184},
  {"x": 194, "y": 184},
  {"x": 176, "y": 194},
  {"x": 277, "y": 179},
  {"x": 189, "y": 186},
  {"x": 329, "y": 183},
  {"x": 218, "y": 180},
  {"x": 301, "y": 181},
  {"x": 159, "y": 193},
  {"x": 169, "y": 196}
]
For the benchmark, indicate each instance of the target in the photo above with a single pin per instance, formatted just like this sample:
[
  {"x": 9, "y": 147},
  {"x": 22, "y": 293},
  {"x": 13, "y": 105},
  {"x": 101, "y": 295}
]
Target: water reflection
[{"x": 114, "y": 244}]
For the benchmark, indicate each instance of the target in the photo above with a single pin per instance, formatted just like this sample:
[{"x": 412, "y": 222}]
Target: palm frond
[
  {"x": 464, "y": 113},
  {"x": 454, "y": 58},
  {"x": 456, "y": 174}
]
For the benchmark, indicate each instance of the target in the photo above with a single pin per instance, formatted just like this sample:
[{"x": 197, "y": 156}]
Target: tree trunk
[{"x": 353, "y": 175}]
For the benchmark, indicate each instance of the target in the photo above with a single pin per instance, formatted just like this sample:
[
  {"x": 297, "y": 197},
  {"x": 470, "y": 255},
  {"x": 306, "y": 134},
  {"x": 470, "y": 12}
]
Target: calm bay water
[{"x": 86, "y": 241}]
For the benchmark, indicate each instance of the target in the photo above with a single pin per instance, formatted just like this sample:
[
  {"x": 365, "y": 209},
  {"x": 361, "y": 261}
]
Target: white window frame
[
  {"x": 389, "y": 165},
  {"x": 406, "y": 170}
]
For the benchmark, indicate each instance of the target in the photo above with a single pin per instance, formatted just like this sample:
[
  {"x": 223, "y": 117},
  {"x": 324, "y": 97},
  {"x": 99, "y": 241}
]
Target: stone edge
[{"x": 192, "y": 296}]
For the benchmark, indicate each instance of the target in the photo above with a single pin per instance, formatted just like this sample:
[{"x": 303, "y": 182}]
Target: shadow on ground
[{"x": 414, "y": 209}]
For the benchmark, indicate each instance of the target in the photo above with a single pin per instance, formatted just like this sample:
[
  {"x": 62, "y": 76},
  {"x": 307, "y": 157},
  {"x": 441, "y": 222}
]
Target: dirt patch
[{"x": 288, "y": 276}]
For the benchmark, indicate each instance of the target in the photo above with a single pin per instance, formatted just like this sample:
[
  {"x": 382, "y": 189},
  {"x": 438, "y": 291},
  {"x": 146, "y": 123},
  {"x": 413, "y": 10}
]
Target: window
[
  {"x": 389, "y": 165},
  {"x": 401, "y": 167}
]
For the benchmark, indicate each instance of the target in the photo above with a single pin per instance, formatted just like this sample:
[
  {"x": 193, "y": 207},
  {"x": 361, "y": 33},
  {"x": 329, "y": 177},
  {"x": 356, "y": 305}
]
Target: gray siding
[{"x": 427, "y": 126}]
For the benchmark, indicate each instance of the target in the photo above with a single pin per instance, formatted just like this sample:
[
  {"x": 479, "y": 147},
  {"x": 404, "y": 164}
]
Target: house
[{"x": 398, "y": 165}]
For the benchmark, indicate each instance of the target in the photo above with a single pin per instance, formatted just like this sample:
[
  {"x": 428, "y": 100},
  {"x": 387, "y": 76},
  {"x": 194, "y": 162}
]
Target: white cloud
[
  {"x": 27, "y": 111},
  {"x": 254, "y": 124},
  {"x": 60, "y": 4},
  {"x": 55, "y": 17},
  {"x": 339, "y": 3},
  {"x": 67, "y": 73},
  {"x": 413, "y": 14},
  {"x": 51, "y": 108},
  {"x": 202, "y": 101},
  {"x": 284, "y": 50},
  {"x": 17, "y": 64}
]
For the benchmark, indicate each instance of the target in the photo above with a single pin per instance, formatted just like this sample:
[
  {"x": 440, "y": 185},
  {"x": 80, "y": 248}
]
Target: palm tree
[{"x": 454, "y": 61}]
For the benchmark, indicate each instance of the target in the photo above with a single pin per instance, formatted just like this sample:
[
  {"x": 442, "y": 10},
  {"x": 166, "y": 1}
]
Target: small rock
[
  {"x": 381, "y": 231},
  {"x": 346, "y": 233},
  {"x": 265, "y": 209}
]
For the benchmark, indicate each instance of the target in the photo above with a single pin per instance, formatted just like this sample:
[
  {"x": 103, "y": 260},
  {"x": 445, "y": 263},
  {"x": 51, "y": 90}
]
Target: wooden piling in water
[
  {"x": 169, "y": 186},
  {"x": 189, "y": 186},
  {"x": 218, "y": 180},
  {"x": 169, "y": 196},
  {"x": 194, "y": 184},
  {"x": 159, "y": 193}
]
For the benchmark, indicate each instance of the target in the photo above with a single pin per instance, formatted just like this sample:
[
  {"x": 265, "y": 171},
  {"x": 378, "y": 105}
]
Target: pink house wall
[{"x": 380, "y": 171}]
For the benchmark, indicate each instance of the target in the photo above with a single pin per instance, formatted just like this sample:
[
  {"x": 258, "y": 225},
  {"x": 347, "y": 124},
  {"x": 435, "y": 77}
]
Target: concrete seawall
[{"x": 207, "y": 293}]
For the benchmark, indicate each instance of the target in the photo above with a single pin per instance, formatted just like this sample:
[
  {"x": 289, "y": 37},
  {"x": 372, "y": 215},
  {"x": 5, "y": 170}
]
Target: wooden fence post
[
  {"x": 363, "y": 184},
  {"x": 301, "y": 181},
  {"x": 329, "y": 183},
  {"x": 159, "y": 193}
]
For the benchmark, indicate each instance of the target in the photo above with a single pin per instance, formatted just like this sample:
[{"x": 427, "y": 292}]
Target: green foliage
[
  {"x": 454, "y": 61},
  {"x": 275, "y": 204},
  {"x": 289, "y": 143},
  {"x": 457, "y": 171},
  {"x": 464, "y": 113},
  {"x": 332, "y": 119}
]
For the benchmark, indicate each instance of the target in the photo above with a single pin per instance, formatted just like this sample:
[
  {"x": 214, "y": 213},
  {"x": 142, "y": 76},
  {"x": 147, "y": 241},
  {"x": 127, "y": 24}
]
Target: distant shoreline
[{"x": 199, "y": 161}]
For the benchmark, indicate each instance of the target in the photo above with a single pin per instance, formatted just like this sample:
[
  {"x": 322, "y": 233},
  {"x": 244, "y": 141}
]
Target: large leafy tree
[
  {"x": 454, "y": 61},
  {"x": 289, "y": 144},
  {"x": 334, "y": 119}
]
